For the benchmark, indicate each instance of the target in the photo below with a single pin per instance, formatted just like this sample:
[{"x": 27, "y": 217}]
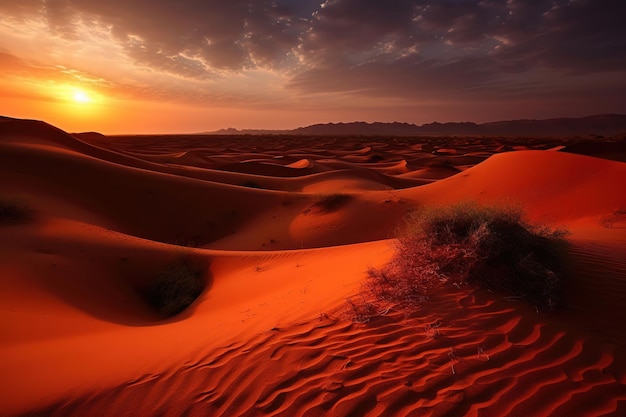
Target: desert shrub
[
  {"x": 489, "y": 247},
  {"x": 14, "y": 212},
  {"x": 610, "y": 220},
  {"x": 176, "y": 288},
  {"x": 329, "y": 202},
  {"x": 361, "y": 310},
  {"x": 251, "y": 184}
]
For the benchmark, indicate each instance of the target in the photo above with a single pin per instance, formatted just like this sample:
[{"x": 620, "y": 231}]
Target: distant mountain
[
  {"x": 357, "y": 128},
  {"x": 606, "y": 124},
  {"x": 233, "y": 131}
]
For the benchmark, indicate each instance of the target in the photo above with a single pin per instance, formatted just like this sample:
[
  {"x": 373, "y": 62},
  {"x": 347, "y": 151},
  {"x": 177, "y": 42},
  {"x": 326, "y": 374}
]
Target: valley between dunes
[{"x": 271, "y": 334}]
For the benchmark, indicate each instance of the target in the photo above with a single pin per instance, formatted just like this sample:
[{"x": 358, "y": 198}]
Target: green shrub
[
  {"x": 14, "y": 212},
  {"x": 176, "y": 288},
  {"x": 490, "y": 247}
]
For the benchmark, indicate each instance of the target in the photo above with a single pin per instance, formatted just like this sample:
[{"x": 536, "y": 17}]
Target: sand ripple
[{"x": 463, "y": 354}]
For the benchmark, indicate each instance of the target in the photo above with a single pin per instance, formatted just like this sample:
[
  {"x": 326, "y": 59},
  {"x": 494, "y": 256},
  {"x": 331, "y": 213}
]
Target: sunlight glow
[{"x": 81, "y": 96}]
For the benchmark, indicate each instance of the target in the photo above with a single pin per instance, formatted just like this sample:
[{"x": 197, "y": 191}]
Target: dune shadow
[{"x": 125, "y": 297}]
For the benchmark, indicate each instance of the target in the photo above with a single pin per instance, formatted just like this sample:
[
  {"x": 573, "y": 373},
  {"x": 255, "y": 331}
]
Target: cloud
[
  {"x": 466, "y": 49},
  {"x": 575, "y": 36},
  {"x": 412, "y": 49},
  {"x": 231, "y": 35},
  {"x": 219, "y": 34}
]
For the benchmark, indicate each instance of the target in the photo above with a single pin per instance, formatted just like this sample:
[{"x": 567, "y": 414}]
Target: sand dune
[
  {"x": 548, "y": 185},
  {"x": 271, "y": 334}
]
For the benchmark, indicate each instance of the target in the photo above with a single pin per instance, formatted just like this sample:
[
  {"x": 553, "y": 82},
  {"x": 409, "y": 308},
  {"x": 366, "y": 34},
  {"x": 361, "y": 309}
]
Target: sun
[{"x": 81, "y": 97}]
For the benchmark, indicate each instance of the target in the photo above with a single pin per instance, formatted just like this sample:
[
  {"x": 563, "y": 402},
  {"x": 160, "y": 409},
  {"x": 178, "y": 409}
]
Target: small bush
[
  {"x": 251, "y": 184},
  {"x": 13, "y": 212},
  {"x": 490, "y": 247},
  {"x": 329, "y": 202},
  {"x": 609, "y": 221},
  {"x": 362, "y": 311},
  {"x": 176, "y": 288}
]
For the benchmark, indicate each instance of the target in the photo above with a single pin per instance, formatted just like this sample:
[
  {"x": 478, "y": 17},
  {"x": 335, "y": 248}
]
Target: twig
[
  {"x": 482, "y": 353},
  {"x": 453, "y": 358}
]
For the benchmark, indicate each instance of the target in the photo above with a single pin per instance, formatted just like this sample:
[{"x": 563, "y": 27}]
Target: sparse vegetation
[
  {"x": 361, "y": 311},
  {"x": 14, "y": 212},
  {"x": 488, "y": 247},
  {"x": 251, "y": 184},
  {"x": 176, "y": 288},
  {"x": 328, "y": 203},
  {"x": 609, "y": 221}
]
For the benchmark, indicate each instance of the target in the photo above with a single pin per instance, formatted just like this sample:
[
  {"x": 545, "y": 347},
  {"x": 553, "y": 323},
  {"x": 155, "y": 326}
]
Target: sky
[{"x": 178, "y": 66}]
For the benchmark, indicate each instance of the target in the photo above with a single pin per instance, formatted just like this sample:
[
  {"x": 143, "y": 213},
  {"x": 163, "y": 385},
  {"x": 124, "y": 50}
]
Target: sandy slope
[{"x": 271, "y": 334}]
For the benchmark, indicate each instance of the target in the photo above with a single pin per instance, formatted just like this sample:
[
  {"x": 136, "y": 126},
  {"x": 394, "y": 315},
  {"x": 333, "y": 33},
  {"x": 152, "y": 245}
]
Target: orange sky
[{"x": 188, "y": 66}]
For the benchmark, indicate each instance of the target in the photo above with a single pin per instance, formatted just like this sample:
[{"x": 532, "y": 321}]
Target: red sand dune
[{"x": 271, "y": 333}]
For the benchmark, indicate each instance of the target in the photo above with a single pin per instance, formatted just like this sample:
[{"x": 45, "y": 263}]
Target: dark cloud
[
  {"x": 359, "y": 24},
  {"x": 573, "y": 36},
  {"x": 410, "y": 77},
  {"x": 469, "y": 49}
]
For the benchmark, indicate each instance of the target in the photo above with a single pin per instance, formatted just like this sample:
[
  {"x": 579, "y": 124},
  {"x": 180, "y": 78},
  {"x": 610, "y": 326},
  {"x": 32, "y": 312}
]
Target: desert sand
[{"x": 271, "y": 334}]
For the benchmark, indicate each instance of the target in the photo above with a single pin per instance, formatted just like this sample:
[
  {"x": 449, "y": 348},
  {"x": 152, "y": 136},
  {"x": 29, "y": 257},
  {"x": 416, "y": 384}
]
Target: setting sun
[{"x": 80, "y": 96}]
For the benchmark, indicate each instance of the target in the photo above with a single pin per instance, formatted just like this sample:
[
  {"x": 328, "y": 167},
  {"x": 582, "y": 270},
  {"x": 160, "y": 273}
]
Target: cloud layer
[{"x": 409, "y": 49}]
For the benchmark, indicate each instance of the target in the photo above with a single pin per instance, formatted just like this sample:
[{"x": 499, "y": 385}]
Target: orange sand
[{"x": 271, "y": 334}]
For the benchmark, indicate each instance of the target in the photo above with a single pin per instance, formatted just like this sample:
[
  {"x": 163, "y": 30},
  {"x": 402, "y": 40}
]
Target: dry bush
[
  {"x": 361, "y": 311},
  {"x": 609, "y": 221},
  {"x": 329, "y": 202},
  {"x": 489, "y": 247},
  {"x": 176, "y": 288},
  {"x": 13, "y": 212},
  {"x": 252, "y": 184}
]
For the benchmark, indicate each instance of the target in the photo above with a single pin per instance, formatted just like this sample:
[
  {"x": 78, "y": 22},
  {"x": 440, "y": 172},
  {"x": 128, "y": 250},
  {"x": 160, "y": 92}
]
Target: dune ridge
[{"x": 111, "y": 212}]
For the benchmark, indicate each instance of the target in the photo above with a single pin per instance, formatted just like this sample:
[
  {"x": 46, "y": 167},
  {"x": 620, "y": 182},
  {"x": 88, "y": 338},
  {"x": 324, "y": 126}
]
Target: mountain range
[{"x": 605, "y": 124}]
